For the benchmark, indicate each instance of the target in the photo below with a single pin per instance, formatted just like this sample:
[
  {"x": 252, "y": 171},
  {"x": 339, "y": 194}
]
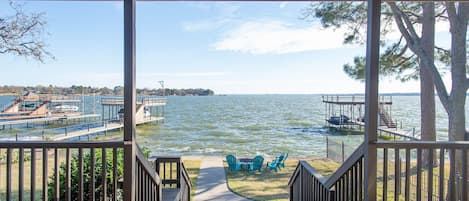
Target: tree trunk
[
  {"x": 427, "y": 89},
  {"x": 457, "y": 99}
]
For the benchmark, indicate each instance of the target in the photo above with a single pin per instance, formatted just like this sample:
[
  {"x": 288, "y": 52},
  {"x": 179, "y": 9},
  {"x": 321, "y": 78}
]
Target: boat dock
[
  {"x": 395, "y": 132},
  {"x": 32, "y": 106},
  {"x": 347, "y": 111},
  {"x": 106, "y": 127},
  {"x": 148, "y": 110},
  {"x": 4, "y": 124}
]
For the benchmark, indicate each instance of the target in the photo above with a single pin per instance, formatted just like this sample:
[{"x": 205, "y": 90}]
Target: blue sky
[{"x": 232, "y": 48}]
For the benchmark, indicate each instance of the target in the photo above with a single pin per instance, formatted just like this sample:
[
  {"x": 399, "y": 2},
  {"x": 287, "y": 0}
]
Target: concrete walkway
[{"x": 211, "y": 184}]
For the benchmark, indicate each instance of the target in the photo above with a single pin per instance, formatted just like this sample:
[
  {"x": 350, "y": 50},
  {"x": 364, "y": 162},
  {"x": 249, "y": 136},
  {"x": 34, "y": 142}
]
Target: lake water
[{"x": 255, "y": 124}]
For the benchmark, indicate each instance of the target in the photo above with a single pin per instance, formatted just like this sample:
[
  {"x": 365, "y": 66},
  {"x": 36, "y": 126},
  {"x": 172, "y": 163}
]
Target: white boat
[{"x": 66, "y": 108}]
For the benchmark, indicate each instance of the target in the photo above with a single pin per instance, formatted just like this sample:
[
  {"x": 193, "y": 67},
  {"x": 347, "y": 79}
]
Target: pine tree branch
[
  {"x": 403, "y": 61},
  {"x": 442, "y": 49},
  {"x": 417, "y": 48}
]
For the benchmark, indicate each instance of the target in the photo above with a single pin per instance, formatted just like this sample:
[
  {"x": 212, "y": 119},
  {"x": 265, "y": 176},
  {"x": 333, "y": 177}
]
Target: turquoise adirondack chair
[
  {"x": 282, "y": 162},
  {"x": 233, "y": 164},
  {"x": 257, "y": 163},
  {"x": 274, "y": 165}
]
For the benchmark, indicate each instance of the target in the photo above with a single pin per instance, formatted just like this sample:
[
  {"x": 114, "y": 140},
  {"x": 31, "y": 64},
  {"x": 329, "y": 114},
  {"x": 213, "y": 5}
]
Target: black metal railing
[
  {"x": 345, "y": 184},
  {"x": 148, "y": 185},
  {"x": 72, "y": 171},
  {"x": 174, "y": 175},
  {"x": 407, "y": 170},
  {"x": 59, "y": 170}
]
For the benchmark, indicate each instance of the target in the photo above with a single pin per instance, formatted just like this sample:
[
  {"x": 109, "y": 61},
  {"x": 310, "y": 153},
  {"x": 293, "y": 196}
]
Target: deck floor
[{"x": 169, "y": 194}]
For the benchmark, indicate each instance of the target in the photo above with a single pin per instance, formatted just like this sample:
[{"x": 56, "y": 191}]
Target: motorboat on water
[
  {"x": 340, "y": 120},
  {"x": 66, "y": 108},
  {"x": 120, "y": 114}
]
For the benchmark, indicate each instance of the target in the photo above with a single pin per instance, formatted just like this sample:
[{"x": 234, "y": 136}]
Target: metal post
[
  {"x": 371, "y": 97},
  {"x": 129, "y": 100},
  {"x": 327, "y": 147},
  {"x": 343, "y": 151}
]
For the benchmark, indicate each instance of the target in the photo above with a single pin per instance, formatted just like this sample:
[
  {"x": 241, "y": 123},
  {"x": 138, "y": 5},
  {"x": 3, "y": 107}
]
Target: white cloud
[
  {"x": 225, "y": 14},
  {"x": 278, "y": 37},
  {"x": 283, "y": 4},
  {"x": 205, "y": 25}
]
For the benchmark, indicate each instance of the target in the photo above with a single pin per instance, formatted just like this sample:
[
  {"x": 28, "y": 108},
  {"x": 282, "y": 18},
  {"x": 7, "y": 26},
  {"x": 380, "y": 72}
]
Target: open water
[{"x": 255, "y": 124}]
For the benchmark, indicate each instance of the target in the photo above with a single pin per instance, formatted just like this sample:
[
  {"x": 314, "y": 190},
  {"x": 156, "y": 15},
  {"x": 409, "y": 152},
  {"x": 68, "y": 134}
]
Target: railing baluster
[
  {"x": 80, "y": 174},
  {"x": 342, "y": 188},
  {"x": 56, "y": 175},
  {"x": 397, "y": 174},
  {"x": 170, "y": 171},
  {"x": 68, "y": 173},
  {"x": 45, "y": 174},
  {"x": 33, "y": 175},
  {"x": 452, "y": 175},
  {"x": 419, "y": 175},
  {"x": 92, "y": 177},
  {"x": 347, "y": 186},
  {"x": 104, "y": 175},
  {"x": 385, "y": 174},
  {"x": 430, "y": 175},
  {"x": 8, "y": 172},
  {"x": 441, "y": 181},
  {"x": 355, "y": 183},
  {"x": 139, "y": 181},
  {"x": 21, "y": 174},
  {"x": 360, "y": 180},
  {"x": 114, "y": 174},
  {"x": 464, "y": 175},
  {"x": 407, "y": 174},
  {"x": 142, "y": 182},
  {"x": 145, "y": 184}
]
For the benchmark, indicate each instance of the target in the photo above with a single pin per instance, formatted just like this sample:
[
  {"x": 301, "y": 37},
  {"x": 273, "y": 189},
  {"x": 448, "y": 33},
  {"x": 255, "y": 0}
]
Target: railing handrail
[
  {"x": 185, "y": 175},
  {"x": 423, "y": 144},
  {"x": 310, "y": 169},
  {"x": 61, "y": 145},
  {"x": 139, "y": 100},
  {"x": 148, "y": 167},
  {"x": 350, "y": 162}
]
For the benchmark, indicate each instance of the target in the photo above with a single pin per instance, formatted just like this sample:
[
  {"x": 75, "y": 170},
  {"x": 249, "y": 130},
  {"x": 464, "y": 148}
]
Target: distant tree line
[{"x": 116, "y": 91}]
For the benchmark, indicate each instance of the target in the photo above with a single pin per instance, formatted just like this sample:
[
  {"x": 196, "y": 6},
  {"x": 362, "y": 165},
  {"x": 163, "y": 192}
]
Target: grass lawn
[
  {"x": 271, "y": 185},
  {"x": 193, "y": 168}
]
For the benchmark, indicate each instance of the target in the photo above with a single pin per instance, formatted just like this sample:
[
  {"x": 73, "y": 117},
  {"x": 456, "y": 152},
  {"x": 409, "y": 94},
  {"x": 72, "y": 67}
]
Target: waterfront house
[{"x": 357, "y": 179}]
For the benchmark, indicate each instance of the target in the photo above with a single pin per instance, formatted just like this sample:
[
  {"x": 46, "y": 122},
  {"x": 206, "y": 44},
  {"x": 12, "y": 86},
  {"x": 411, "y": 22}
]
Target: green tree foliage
[
  {"x": 87, "y": 175},
  {"x": 98, "y": 164},
  {"x": 116, "y": 91},
  {"x": 397, "y": 59}
]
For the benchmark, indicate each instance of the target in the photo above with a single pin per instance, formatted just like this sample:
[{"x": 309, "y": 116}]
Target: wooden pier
[
  {"x": 106, "y": 127},
  {"x": 31, "y": 106},
  {"x": 149, "y": 109},
  {"x": 47, "y": 119}
]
